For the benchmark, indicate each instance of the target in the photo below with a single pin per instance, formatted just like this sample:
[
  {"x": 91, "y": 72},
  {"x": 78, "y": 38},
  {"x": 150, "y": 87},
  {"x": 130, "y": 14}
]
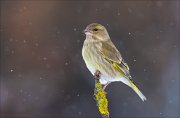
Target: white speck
[
  {"x": 24, "y": 41},
  {"x": 36, "y": 98},
  {"x": 11, "y": 70},
  {"x": 78, "y": 95},
  {"x": 79, "y": 112},
  {"x": 21, "y": 91},
  {"x": 174, "y": 46},
  {"x": 75, "y": 29},
  {"x": 134, "y": 60},
  {"x": 170, "y": 101},
  {"x": 36, "y": 44},
  {"x": 24, "y": 7},
  {"x": 154, "y": 49},
  {"x": 19, "y": 75},
  {"x": 160, "y": 113},
  {"x": 30, "y": 23},
  {"x": 58, "y": 32},
  {"x": 119, "y": 14},
  {"x": 44, "y": 58},
  {"x": 129, "y": 10},
  {"x": 11, "y": 39},
  {"x": 78, "y": 41},
  {"x": 12, "y": 51},
  {"x": 129, "y": 33},
  {"x": 159, "y": 4},
  {"x": 24, "y": 100},
  {"x": 66, "y": 63},
  {"x": 64, "y": 47}
]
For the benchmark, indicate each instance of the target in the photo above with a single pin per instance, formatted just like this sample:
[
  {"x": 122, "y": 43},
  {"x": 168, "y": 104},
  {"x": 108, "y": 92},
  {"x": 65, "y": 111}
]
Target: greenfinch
[{"x": 101, "y": 55}]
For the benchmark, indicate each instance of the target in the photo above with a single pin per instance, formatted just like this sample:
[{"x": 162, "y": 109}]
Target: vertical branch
[{"x": 100, "y": 96}]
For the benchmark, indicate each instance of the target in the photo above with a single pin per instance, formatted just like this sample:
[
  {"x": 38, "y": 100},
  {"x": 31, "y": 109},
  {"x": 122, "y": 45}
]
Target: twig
[{"x": 100, "y": 96}]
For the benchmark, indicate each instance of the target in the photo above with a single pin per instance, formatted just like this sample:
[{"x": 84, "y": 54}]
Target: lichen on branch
[{"x": 102, "y": 102}]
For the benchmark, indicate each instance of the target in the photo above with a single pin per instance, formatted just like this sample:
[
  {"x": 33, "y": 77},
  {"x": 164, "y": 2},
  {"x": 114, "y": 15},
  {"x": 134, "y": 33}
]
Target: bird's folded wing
[
  {"x": 109, "y": 51},
  {"x": 111, "y": 54}
]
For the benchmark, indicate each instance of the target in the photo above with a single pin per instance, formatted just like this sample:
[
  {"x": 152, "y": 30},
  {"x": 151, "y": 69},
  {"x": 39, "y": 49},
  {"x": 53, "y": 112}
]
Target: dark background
[{"x": 43, "y": 73}]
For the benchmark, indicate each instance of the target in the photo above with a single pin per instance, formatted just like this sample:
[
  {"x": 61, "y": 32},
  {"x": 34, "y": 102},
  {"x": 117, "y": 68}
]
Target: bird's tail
[
  {"x": 127, "y": 80},
  {"x": 133, "y": 86},
  {"x": 130, "y": 83}
]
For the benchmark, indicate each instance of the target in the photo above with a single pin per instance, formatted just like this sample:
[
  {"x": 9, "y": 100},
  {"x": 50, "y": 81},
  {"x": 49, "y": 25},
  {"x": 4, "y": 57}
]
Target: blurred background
[{"x": 43, "y": 73}]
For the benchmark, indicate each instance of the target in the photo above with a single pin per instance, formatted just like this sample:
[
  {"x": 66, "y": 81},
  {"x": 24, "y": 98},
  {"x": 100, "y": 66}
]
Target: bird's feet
[
  {"x": 97, "y": 75},
  {"x": 104, "y": 87}
]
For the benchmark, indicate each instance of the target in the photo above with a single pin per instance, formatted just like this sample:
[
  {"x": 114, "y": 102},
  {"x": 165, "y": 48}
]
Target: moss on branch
[{"x": 102, "y": 102}]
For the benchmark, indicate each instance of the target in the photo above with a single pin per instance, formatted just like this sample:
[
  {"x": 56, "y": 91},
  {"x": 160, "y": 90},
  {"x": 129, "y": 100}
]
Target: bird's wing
[
  {"x": 109, "y": 51},
  {"x": 111, "y": 54}
]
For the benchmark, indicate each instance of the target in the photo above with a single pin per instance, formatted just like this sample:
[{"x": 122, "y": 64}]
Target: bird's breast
[
  {"x": 95, "y": 61},
  {"x": 91, "y": 56}
]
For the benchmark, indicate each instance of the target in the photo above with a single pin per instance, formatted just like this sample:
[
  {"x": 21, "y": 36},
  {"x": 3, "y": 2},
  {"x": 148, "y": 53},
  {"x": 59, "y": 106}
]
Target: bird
[{"x": 100, "y": 55}]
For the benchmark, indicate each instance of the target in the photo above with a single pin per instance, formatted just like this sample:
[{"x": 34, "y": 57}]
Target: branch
[{"x": 100, "y": 96}]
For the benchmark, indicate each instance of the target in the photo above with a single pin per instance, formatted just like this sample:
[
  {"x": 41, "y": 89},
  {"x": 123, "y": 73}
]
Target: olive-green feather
[
  {"x": 109, "y": 51},
  {"x": 111, "y": 54},
  {"x": 116, "y": 66}
]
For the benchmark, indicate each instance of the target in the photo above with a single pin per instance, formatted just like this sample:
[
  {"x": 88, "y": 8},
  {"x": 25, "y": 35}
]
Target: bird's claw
[{"x": 97, "y": 75}]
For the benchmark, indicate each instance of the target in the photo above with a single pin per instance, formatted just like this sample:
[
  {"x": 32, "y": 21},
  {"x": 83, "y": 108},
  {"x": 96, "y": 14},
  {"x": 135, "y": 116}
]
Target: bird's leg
[
  {"x": 97, "y": 75},
  {"x": 104, "y": 87}
]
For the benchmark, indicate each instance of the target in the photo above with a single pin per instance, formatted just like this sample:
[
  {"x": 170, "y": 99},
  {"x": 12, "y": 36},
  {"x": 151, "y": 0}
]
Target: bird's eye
[{"x": 95, "y": 29}]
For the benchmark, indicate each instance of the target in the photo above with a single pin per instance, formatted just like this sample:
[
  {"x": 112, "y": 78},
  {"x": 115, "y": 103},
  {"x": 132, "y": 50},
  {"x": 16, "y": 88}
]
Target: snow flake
[
  {"x": 44, "y": 58},
  {"x": 11, "y": 39},
  {"x": 12, "y": 51},
  {"x": 79, "y": 112},
  {"x": 75, "y": 29},
  {"x": 78, "y": 41},
  {"x": 36, "y": 44},
  {"x": 21, "y": 91},
  {"x": 30, "y": 23},
  {"x": 66, "y": 63},
  {"x": 11, "y": 70}
]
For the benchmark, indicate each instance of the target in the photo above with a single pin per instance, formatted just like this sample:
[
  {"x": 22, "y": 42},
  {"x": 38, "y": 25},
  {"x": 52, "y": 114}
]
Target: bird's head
[{"x": 96, "y": 32}]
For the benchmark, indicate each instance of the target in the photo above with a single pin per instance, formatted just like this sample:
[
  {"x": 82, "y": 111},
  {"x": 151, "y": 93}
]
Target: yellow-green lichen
[{"x": 102, "y": 102}]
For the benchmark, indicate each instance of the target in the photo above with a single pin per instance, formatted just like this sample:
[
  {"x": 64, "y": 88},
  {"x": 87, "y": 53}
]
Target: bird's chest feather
[{"x": 91, "y": 56}]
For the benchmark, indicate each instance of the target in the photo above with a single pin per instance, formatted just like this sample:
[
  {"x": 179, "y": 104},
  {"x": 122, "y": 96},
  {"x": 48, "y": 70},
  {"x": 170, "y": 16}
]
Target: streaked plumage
[{"x": 99, "y": 53}]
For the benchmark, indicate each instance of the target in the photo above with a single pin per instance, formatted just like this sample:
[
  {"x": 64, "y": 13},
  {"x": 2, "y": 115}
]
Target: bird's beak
[
  {"x": 87, "y": 32},
  {"x": 84, "y": 31}
]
